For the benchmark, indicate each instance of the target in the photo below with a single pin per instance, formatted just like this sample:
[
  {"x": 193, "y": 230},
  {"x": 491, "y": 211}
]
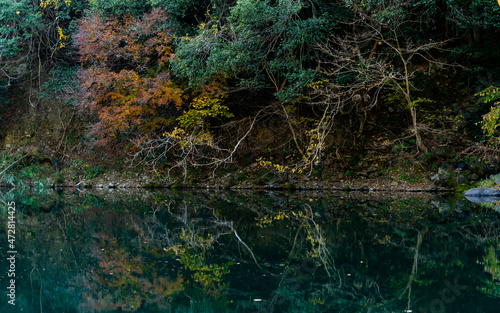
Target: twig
[{"x": 13, "y": 164}]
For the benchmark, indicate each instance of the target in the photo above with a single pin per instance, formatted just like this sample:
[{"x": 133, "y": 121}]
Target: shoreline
[{"x": 365, "y": 185}]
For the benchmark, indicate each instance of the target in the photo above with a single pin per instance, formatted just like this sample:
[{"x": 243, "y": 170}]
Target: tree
[
  {"x": 127, "y": 85},
  {"x": 488, "y": 146},
  {"x": 33, "y": 39},
  {"x": 260, "y": 45},
  {"x": 184, "y": 15},
  {"x": 117, "y": 8},
  {"x": 377, "y": 50},
  {"x": 20, "y": 22}
]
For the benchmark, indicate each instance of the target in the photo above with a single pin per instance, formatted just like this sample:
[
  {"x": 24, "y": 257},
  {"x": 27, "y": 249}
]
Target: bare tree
[
  {"x": 190, "y": 149},
  {"x": 375, "y": 51}
]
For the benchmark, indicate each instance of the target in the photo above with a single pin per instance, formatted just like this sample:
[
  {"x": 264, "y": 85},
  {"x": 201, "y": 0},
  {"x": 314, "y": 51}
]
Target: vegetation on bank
[{"x": 250, "y": 90}]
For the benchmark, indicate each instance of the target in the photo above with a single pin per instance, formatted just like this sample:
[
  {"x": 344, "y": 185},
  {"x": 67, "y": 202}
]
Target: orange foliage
[
  {"x": 123, "y": 282},
  {"x": 126, "y": 86},
  {"x": 130, "y": 42}
]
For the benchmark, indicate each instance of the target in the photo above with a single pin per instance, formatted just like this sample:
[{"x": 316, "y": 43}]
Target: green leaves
[
  {"x": 262, "y": 43},
  {"x": 491, "y": 120},
  {"x": 18, "y": 20},
  {"x": 488, "y": 95},
  {"x": 120, "y": 7}
]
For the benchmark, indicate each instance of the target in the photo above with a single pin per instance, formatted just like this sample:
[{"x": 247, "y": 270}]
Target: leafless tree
[
  {"x": 188, "y": 149},
  {"x": 373, "y": 53}
]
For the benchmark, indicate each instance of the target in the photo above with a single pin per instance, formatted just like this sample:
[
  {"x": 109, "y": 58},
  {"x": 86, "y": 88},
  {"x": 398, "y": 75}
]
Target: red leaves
[
  {"x": 131, "y": 43},
  {"x": 126, "y": 85},
  {"x": 122, "y": 100}
]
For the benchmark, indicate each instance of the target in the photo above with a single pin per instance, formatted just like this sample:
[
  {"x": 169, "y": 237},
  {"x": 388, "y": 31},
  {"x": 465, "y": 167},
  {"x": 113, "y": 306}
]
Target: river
[{"x": 200, "y": 251}]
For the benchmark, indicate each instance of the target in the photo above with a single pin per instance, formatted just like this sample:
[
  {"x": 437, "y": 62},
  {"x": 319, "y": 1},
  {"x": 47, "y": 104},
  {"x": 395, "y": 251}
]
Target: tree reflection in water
[{"x": 257, "y": 253}]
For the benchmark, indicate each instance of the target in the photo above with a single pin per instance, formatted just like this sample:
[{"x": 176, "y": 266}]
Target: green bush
[
  {"x": 81, "y": 168},
  {"x": 120, "y": 7}
]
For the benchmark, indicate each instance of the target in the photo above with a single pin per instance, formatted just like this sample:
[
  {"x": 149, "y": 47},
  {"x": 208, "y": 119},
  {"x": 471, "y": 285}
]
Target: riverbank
[
  {"x": 392, "y": 173},
  {"x": 244, "y": 179}
]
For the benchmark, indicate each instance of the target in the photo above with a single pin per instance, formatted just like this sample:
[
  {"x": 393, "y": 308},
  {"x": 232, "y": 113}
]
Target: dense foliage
[
  {"x": 126, "y": 82},
  {"x": 198, "y": 81}
]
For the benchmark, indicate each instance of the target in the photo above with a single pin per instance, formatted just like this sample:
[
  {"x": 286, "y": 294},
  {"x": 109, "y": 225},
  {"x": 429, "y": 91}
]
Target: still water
[{"x": 248, "y": 252}]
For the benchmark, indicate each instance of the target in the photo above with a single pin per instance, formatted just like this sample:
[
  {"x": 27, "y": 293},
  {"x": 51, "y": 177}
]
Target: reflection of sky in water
[{"x": 229, "y": 252}]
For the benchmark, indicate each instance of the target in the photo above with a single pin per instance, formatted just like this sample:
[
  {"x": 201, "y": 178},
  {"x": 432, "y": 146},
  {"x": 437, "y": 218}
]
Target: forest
[{"x": 185, "y": 88}]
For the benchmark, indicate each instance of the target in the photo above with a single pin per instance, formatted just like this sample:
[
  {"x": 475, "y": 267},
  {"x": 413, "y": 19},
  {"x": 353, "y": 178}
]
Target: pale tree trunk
[
  {"x": 413, "y": 111},
  {"x": 420, "y": 144}
]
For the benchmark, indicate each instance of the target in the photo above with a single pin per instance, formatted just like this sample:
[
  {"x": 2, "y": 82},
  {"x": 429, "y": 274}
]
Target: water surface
[{"x": 250, "y": 252}]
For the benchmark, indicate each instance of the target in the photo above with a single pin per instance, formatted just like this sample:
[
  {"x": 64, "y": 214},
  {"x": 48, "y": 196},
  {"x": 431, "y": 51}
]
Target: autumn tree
[{"x": 125, "y": 82}]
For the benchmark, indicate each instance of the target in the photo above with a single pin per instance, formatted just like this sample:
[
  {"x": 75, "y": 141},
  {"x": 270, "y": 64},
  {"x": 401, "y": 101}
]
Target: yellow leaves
[
  {"x": 203, "y": 107},
  {"x": 187, "y": 141},
  {"x": 317, "y": 85},
  {"x": 266, "y": 220},
  {"x": 187, "y": 38},
  {"x": 56, "y": 3},
  {"x": 268, "y": 164},
  {"x": 177, "y": 133},
  {"x": 177, "y": 249},
  {"x": 62, "y": 37}
]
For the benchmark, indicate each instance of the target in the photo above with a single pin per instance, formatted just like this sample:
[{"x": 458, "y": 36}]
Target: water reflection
[{"x": 234, "y": 252}]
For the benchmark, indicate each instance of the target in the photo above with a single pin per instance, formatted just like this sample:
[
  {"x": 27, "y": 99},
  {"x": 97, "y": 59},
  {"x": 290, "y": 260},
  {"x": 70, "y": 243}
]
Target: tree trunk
[{"x": 420, "y": 145}]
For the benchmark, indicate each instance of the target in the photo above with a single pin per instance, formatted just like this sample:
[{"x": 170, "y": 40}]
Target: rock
[
  {"x": 363, "y": 174},
  {"x": 461, "y": 179},
  {"x": 445, "y": 171},
  {"x": 434, "y": 186},
  {"x": 280, "y": 180},
  {"x": 274, "y": 186},
  {"x": 436, "y": 177},
  {"x": 372, "y": 169},
  {"x": 474, "y": 177},
  {"x": 497, "y": 180},
  {"x": 482, "y": 194}
]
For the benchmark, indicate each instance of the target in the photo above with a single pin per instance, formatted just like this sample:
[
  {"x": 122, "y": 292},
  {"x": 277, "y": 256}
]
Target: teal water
[{"x": 249, "y": 252}]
